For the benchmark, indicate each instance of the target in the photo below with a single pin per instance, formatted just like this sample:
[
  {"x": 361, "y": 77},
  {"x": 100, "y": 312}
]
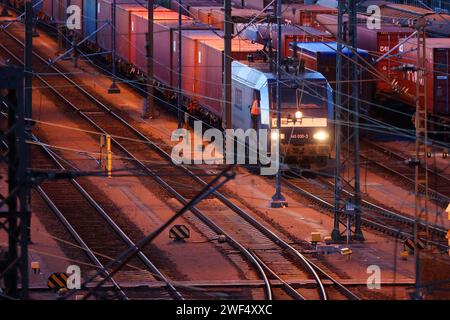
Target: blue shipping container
[{"x": 90, "y": 19}]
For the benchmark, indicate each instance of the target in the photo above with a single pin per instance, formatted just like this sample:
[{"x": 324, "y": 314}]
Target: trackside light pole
[
  {"x": 113, "y": 88},
  {"x": 278, "y": 201},
  {"x": 149, "y": 108}
]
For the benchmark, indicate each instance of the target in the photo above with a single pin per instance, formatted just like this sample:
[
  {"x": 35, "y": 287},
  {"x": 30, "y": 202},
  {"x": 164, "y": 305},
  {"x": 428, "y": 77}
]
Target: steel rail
[
  {"x": 438, "y": 197},
  {"x": 368, "y": 222},
  {"x": 268, "y": 233},
  {"x": 171, "y": 190},
  {"x": 77, "y": 237},
  {"x": 145, "y": 260},
  {"x": 287, "y": 287},
  {"x": 60, "y": 216},
  {"x": 389, "y": 213}
]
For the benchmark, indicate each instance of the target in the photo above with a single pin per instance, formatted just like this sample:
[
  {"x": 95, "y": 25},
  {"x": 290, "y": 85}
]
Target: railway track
[
  {"x": 374, "y": 216},
  {"x": 240, "y": 229},
  {"x": 78, "y": 210},
  {"x": 94, "y": 231},
  {"x": 394, "y": 163}
]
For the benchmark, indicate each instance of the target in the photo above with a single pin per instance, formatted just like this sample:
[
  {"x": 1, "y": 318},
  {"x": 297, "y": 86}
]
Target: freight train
[
  {"x": 306, "y": 133},
  {"x": 393, "y": 48}
]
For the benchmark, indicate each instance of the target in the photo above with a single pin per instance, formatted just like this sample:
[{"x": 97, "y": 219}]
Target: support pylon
[
  {"x": 347, "y": 211},
  {"x": 14, "y": 205},
  {"x": 421, "y": 159}
]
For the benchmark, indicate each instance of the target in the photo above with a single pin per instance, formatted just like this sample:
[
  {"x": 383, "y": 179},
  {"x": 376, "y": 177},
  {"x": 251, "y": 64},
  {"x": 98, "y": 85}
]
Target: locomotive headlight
[
  {"x": 298, "y": 115},
  {"x": 275, "y": 135},
  {"x": 320, "y": 135}
]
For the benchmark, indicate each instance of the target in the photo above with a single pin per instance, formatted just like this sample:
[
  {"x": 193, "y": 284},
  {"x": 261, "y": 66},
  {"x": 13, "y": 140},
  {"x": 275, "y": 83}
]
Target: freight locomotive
[
  {"x": 306, "y": 109},
  {"x": 306, "y": 97}
]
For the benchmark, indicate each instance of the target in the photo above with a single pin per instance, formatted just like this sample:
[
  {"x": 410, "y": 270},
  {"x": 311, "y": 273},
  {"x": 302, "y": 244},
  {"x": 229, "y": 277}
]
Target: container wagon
[
  {"x": 104, "y": 15},
  {"x": 305, "y": 15}
]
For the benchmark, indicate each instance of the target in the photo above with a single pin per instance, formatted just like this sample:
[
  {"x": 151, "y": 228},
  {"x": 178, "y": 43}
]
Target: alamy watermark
[
  {"x": 234, "y": 146},
  {"x": 74, "y": 277},
  {"x": 73, "y": 21},
  {"x": 374, "y": 18},
  {"x": 374, "y": 279}
]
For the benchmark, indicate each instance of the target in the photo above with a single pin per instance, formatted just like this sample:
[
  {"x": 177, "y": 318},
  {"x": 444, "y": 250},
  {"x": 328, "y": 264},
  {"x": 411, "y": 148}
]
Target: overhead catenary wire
[{"x": 207, "y": 97}]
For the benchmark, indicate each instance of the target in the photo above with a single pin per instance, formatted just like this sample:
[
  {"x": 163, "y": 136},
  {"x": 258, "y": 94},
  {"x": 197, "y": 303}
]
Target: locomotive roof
[
  {"x": 285, "y": 29},
  {"x": 257, "y": 74}
]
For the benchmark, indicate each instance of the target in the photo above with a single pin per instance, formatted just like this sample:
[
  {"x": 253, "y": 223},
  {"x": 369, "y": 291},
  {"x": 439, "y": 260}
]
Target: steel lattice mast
[
  {"x": 347, "y": 211},
  {"x": 421, "y": 160}
]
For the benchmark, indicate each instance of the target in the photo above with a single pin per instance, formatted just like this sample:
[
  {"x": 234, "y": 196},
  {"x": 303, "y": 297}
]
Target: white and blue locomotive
[{"x": 306, "y": 110}]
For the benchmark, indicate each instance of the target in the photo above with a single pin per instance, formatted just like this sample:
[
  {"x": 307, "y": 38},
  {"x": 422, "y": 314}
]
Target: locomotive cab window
[
  {"x": 294, "y": 97},
  {"x": 312, "y": 96},
  {"x": 238, "y": 98}
]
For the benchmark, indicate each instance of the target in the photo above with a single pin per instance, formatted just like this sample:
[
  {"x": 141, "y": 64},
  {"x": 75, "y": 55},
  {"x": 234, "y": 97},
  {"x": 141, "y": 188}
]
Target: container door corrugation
[{"x": 441, "y": 81}]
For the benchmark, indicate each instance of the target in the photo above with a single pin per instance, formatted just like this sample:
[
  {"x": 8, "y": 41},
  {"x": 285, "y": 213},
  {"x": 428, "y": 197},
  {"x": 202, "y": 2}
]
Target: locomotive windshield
[{"x": 305, "y": 96}]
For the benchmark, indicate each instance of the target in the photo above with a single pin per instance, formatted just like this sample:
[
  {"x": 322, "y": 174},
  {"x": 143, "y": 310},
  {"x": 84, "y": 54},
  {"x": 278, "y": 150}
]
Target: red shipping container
[
  {"x": 305, "y": 15},
  {"x": 210, "y": 57},
  {"x": 436, "y": 76},
  {"x": 256, "y": 4},
  {"x": 202, "y": 65},
  {"x": 187, "y": 4},
  {"x": 164, "y": 21},
  {"x": 237, "y": 16},
  {"x": 104, "y": 15},
  {"x": 193, "y": 78},
  {"x": 123, "y": 29},
  {"x": 202, "y": 14},
  {"x": 202, "y": 55}
]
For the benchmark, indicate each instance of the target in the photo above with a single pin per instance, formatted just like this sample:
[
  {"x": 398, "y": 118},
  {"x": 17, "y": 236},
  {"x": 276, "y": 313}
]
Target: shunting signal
[
  {"x": 179, "y": 232},
  {"x": 106, "y": 155}
]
